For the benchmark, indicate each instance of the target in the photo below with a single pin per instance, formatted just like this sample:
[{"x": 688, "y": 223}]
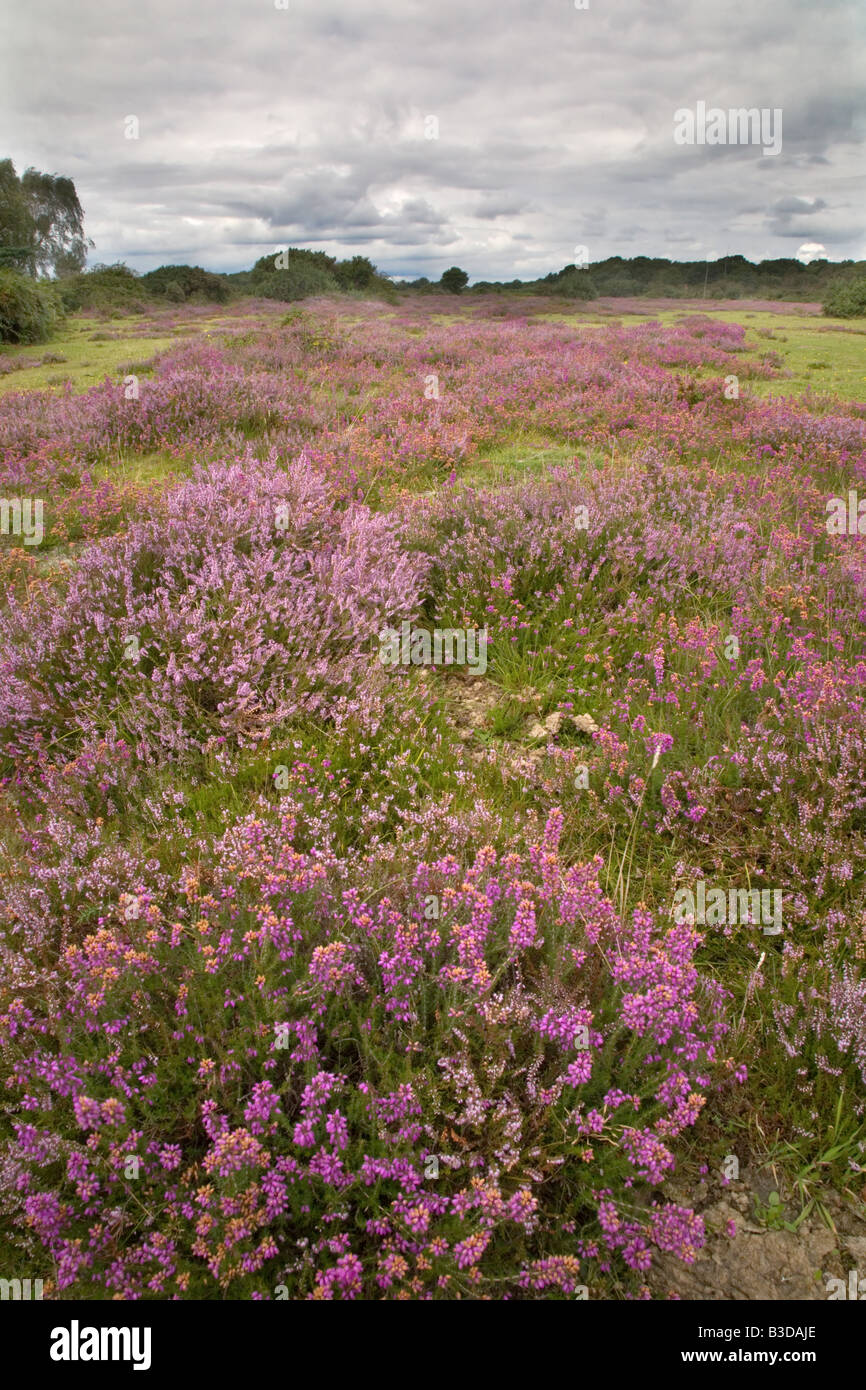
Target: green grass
[
  {"x": 93, "y": 352},
  {"x": 141, "y": 470}
]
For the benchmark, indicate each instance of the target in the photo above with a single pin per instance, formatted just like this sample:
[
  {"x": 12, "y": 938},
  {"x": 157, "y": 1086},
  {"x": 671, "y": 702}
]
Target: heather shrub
[
  {"x": 29, "y": 309},
  {"x": 246, "y": 601},
  {"x": 277, "y": 1079},
  {"x": 819, "y": 1011}
]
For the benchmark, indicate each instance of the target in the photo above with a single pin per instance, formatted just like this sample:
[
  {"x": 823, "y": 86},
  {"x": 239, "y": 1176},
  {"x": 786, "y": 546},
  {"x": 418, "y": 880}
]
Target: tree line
[{"x": 43, "y": 254}]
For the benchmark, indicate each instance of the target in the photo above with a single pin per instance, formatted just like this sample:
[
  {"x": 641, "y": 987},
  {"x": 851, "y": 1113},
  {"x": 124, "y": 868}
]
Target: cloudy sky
[{"x": 498, "y": 135}]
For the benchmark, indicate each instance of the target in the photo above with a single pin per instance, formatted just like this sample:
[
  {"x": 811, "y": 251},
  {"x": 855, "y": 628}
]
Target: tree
[
  {"x": 16, "y": 222},
  {"x": 41, "y": 222},
  {"x": 279, "y": 261},
  {"x": 573, "y": 284},
  {"x": 356, "y": 274},
  {"x": 454, "y": 280},
  {"x": 59, "y": 221}
]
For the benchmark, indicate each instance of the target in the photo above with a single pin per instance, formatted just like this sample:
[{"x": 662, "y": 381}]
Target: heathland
[{"x": 330, "y": 978}]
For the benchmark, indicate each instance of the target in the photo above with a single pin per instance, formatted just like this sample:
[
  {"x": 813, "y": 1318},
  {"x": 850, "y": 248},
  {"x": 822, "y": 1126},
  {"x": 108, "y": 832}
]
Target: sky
[{"x": 509, "y": 137}]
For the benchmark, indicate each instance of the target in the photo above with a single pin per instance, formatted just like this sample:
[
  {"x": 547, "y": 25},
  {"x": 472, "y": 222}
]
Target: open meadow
[{"x": 433, "y": 801}]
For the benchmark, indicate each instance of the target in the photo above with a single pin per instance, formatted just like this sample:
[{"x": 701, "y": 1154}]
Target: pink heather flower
[
  {"x": 468, "y": 1252},
  {"x": 522, "y": 1207},
  {"x": 88, "y": 1112},
  {"x": 524, "y": 928},
  {"x": 234, "y": 1150},
  {"x": 304, "y": 1134},
  {"x": 337, "y": 1130}
]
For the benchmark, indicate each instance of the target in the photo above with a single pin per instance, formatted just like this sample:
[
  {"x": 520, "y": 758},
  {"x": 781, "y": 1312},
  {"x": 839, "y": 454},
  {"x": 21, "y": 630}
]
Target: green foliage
[
  {"x": 847, "y": 300},
  {"x": 29, "y": 309},
  {"x": 730, "y": 277},
  {"x": 58, "y": 220},
  {"x": 300, "y": 281},
  {"x": 572, "y": 283},
  {"x": 295, "y": 274},
  {"x": 454, "y": 280},
  {"x": 381, "y": 288},
  {"x": 179, "y": 283},
  {"x": 41, "y": 222},
  {"x": 356, "y": 274},
  {"x": 15, "y": 258},
  {"x": 278, "y": 262},
  {"x": 104, "y": 287},
  {"x": 17, "y": 231}
]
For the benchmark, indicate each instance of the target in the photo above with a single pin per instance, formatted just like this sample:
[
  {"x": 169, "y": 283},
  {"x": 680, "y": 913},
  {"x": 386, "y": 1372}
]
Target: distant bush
[
  {"x": 356, "y": 274},
  {"x": 573, "y": 284},
  {"x": 293, "y": 274},
  {"x": 103, "y": 287},
  {"x": 300, "y": 281},
  {"x": 183, "y": 282},
  {"x": 847, "y": 301},
  {"x": 29, "y": 309},
  {"x": 454, "y": 280}
]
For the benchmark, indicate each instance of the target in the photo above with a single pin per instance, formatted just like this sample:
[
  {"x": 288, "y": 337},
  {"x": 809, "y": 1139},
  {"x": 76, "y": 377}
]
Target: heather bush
[
  {"x": 273, "y": 1080},
  {"x": 249, "y": 600}
]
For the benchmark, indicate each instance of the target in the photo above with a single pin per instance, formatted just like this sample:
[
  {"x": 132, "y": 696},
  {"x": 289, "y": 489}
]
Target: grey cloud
[{"x": 555, "y": 127}]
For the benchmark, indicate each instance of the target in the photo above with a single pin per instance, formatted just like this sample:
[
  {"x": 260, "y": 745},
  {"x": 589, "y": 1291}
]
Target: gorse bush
[
  {"x": 104, "y": 287},
  {"x": 29, "y": 309},
  {"x": 573, "y": 284},
  {"x": 298, "y": 282},
  {"x": 847, "y": 300},
  {"x": 181, "y": 282}
]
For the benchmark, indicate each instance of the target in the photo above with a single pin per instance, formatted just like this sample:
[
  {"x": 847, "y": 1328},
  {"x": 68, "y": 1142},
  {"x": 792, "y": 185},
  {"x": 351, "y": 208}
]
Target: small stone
[{"x": 586, "y": 723}]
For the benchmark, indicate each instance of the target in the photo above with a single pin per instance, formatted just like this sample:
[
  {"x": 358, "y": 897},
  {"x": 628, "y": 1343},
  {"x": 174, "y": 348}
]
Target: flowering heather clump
[
  {"x": 249, "y": 600},
  {"x": 381, "y": 1103}
]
